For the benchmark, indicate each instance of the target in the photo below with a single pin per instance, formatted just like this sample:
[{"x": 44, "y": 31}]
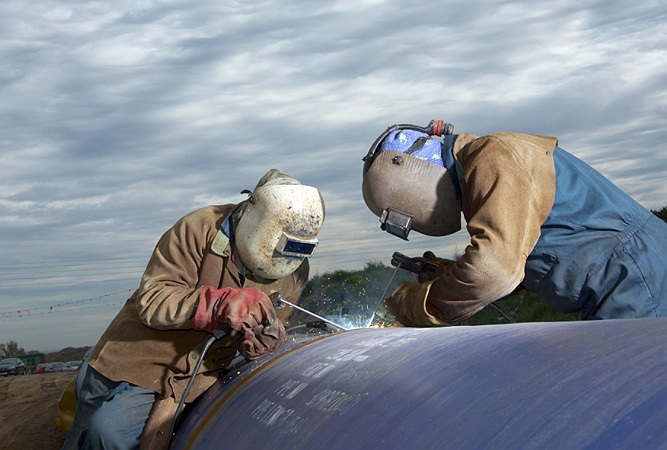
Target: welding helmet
[
  {"x": 276, "y": 228},
  {"x": 410, "y": 180}
]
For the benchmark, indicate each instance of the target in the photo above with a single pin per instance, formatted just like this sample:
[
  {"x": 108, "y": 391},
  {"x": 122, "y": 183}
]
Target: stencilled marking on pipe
[
  {"x": 385, "y": 342},
  {"x": 359, "y": 355},
  {"x": 272, "y": 414},
  {"x": 318, "y": 370},
  {"x": 348, "y": 354},
  {"x": 290, "y": 388},
  {"x": 395, "y": 340},
  {"x": 331, "y": 400}
]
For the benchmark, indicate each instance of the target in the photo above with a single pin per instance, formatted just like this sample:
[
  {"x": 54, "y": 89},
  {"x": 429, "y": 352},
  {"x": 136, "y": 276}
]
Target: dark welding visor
[
  {"x": 294, "y": 246},
  {"x": 396, "y": 222}
]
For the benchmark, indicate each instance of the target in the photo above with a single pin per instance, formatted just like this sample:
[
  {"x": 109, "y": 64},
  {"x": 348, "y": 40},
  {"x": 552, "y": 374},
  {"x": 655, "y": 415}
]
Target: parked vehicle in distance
[
  {"x": 12, "y": 366},
  {"x": 72, "y": 366},
  {"x": 49, "y": 368},
  {"x": 58, "y": 367},
  {"x": 40, "y": 368}
]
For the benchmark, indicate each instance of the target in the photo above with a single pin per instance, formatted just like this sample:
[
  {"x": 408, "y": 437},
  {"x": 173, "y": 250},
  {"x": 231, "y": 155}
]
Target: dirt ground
[{"x": 28, "y": 411}]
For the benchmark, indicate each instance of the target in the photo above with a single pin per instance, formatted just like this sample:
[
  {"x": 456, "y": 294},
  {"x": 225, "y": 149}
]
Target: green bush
[{"x": 522, "y": 307}]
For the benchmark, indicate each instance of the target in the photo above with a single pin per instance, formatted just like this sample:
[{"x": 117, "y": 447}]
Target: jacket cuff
[{"x": 410, "y": 306}]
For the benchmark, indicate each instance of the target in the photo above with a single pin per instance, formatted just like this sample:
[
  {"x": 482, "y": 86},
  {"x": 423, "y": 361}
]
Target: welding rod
[{"x": 280, "y": 298}]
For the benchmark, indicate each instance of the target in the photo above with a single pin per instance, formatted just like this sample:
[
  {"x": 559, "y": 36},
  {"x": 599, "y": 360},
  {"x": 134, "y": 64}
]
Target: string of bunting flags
[{"x": 74, "y": 305}]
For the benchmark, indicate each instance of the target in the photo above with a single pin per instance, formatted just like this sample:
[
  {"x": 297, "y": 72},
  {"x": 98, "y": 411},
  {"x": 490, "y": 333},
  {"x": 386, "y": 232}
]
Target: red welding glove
[{"x": 248, "y": 311}]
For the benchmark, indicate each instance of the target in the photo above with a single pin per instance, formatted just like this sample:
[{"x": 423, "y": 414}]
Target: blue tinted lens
[{"x": 299, "y": 248}]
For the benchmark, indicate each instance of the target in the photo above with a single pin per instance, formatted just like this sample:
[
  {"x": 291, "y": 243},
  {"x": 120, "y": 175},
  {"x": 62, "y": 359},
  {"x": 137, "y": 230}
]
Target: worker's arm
[
  {"x": 168, "y": 292},
  {"x": 508, "y": 190}
]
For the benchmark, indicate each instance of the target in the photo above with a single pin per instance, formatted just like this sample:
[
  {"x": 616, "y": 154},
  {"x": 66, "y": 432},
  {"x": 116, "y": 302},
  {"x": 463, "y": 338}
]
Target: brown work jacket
[
  {"x": 508, "y": 188},
  {"x": 151, "y": 343}
]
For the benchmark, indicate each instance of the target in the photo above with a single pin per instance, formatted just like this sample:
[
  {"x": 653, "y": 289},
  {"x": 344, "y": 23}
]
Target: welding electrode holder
[{"x": 418, "y": 265}]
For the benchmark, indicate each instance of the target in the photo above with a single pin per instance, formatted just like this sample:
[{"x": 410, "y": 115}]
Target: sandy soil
[{"x": 28, "y": 411}]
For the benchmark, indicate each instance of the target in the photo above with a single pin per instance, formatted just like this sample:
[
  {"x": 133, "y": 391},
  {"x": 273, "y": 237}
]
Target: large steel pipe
[{"x": 594, "y": 385}]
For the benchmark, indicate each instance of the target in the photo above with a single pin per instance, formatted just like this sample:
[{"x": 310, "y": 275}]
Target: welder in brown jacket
[
  {"x": 215, "y": 266},
  {"x": 537, "y": 217}
]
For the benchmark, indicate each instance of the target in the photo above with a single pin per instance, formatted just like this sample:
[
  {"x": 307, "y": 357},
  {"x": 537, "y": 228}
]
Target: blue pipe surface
[{"x": 592, "y": 385}]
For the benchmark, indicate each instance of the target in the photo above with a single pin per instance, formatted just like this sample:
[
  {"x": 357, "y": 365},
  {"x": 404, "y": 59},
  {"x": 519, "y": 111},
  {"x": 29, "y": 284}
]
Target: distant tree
[
  {"x": 661, "y": 213},
  {"x": 11, "y": 349},
  {"x": 2, "y": 350}
]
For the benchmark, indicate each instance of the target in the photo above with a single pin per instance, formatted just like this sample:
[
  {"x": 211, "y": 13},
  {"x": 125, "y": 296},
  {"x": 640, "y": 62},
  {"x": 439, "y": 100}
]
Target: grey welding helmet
[
  {"x": 410, "y": 180},
  {"x": 276, "y": 228}
]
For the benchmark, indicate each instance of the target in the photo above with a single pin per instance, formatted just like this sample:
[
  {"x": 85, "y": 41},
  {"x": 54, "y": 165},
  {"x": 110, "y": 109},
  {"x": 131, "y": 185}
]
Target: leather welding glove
[
  {"x": 248, "y": 311},
  {"x": 263, "y": 338},
  {"x": 409, "y": 305},
  {"x": 441, "y": 264}
]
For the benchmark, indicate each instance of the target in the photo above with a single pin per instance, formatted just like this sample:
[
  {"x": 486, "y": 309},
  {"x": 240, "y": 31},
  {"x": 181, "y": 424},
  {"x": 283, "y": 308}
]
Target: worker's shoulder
[
  {"x": 472, "y": 147},
  {"x": 214, "y": 209},
  {"x": 211, "y": 213},
  {"x": 513, "y": 139}
]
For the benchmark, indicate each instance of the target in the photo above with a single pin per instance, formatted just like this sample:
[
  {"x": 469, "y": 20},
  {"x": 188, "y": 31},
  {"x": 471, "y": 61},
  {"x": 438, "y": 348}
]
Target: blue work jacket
[{"x": 600, "y": 253}]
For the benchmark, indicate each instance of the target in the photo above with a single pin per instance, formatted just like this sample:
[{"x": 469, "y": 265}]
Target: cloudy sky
[{"x": 118, "y": 118}]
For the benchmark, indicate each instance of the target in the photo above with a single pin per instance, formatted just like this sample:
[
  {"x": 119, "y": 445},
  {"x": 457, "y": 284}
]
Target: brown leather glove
[
  {"x": 408, "y": 303},
  {"x": 263, "y": 338},
  {"x": 248, "y": 311}
]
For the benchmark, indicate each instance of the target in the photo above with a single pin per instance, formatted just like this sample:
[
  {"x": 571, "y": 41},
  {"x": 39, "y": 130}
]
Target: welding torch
[{"x": 425, "y": 267}]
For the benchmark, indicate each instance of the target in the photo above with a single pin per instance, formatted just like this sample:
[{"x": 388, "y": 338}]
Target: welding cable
[{"x": 218, "y": 333}]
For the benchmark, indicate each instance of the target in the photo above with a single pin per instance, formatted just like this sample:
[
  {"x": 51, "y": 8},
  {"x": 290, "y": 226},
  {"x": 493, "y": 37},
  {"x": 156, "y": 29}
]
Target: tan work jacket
[
  {"x": 151, "y": 343},
  {"x": 508, "y": 189}
]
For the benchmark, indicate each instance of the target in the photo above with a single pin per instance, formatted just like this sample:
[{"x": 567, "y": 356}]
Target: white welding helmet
[
  {"x": 278, "y": 225},
  {"x": 410, "y": 180}
]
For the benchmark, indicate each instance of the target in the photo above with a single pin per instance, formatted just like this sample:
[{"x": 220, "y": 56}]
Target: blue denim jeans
[{"x": 109, "y": 414}]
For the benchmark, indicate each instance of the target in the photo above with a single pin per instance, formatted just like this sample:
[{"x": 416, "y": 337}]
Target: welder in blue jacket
[{"x": 538, "y": 218}]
